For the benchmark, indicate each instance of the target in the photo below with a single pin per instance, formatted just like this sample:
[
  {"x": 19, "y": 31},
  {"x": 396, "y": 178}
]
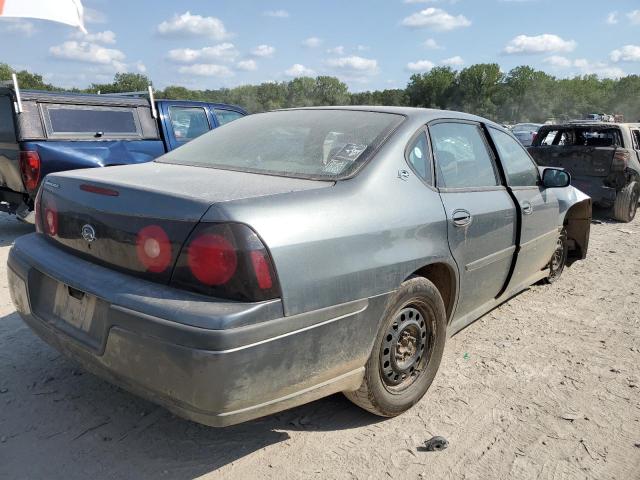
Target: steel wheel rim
[{"x": 406, "y": 347}]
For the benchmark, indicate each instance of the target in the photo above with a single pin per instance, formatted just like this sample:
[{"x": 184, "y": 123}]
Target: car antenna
[{"x": 16, "y": 88}]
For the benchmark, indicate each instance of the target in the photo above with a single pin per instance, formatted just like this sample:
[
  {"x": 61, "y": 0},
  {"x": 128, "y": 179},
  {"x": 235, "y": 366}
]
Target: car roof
[
  {"x": 77, "y": 98},
  {"x": 587, "y": 124},
  {"x": 424, "y": 115}
]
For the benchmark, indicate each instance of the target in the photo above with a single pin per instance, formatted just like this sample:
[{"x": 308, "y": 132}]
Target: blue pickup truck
[{"x": 45, "y": 132}]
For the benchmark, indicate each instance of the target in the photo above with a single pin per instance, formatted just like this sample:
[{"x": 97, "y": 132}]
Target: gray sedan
[
  {"x": 292, "y": 255},
  {"x": 526, "y": 132}
]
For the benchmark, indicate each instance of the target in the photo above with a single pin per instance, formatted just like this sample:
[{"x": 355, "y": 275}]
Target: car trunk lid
[{"x": 107, "y": 215}]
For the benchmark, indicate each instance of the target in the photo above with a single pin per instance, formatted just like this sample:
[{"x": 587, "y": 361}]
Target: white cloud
[
  {"x": 299, "y": 70},
  {"x": 585, "y": 67},
  {"x": 107, "y": 37},
  {"x": 312, "y": 42},
  {"x": 612, "y": 18},
  {"x": 363, "y": 48},
  {"x": 339, "y": 50},
  {"x": 545, "y": 43},
  {"x": 193, "y": 25},
  {"x": 628, "y": 53},
  {"x": 277, "y": 14},
  {"x": 247, "y": 65},
  {"x": 224, "y": 51},
  {"x": 140, "y": 67},
  {"x": 354, "y": 64},
  {"x": 431, "y": 44},
  {"x": 18, "y": 26},
  {"x": 420, "y": 66},
  {"x": 437, "y": 19},
  {"x": 206, "y": 70},
  {"x": 456, "y": 61},
  {"x": 89, "y": 53},
  {"x": 263, "y": 51},
  {"x": 634, "y": 17}
]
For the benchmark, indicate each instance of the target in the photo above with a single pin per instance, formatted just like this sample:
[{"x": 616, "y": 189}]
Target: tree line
[{"x": 521, "y": 95}]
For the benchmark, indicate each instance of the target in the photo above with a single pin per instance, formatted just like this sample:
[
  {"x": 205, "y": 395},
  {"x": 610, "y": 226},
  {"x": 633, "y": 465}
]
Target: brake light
[
  {"x": 620, "y": 160},
  {"x": 99, "y": 190},
  {"x": 154, "y": 249},
  {"x": 30, "y": 169},
  {"x": 50, "y": 218},
  {"x": 261, "y": 270},
  {"x": 226, "y": 260}
]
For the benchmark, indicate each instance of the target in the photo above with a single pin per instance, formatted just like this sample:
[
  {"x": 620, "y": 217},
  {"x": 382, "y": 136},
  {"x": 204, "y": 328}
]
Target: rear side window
[
  {"x": 462, "y": 157},
  {"x": 636, "y": 139},
  {"x": 188, "y": 122},
  {"x": 91, "y": 121},
  {"x": 226, "y": 116},
  {"x": 7, "y": 127},
  {"x": 419, "y": 158},
  {"x": 520, "y": 169}
]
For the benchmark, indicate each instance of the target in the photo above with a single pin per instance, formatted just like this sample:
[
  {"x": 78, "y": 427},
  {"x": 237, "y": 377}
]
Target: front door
[
  {"x": 481, "y": 213},
  {"x": 539, "y": 209}
]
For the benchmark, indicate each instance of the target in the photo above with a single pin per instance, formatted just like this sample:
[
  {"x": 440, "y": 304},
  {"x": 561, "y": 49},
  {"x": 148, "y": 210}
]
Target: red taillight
[
  {"x": 226, "y": 260},
  {"x": 99, "y": 190},
  {"x": 30, "y": 169},
  {"x": 154, "y": 249},
  {"x": 533, "y": 137},
  {"x": 50, "y": 219},
  {"x": 262, "y": 270},
  {"x": 212, "y": 259}
]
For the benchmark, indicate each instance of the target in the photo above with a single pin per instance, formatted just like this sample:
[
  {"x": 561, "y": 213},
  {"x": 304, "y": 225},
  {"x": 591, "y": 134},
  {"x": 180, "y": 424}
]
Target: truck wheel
[
  {"x": 559, "y": 258},
  {"x": 626, "y": 204},
  {"x": 407, "y": 350}
]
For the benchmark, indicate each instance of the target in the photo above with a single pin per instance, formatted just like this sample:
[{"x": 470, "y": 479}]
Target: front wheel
[
  {"x": 559, "y": 258},
  {"x": 407, "y": 350},
  {"x": 626, "y": 203}
]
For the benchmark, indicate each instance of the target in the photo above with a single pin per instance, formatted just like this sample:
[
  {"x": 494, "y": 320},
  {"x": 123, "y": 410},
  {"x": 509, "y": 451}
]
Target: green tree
[
  {"x": 477, "y": 89},
  {"x": 433, "y": 89},
  {"x": 330, "y": 91}
]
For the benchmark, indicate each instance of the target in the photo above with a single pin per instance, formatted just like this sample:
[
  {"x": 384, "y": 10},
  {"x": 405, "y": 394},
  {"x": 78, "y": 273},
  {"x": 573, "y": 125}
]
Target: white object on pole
[{"x": 69, "y": 12}]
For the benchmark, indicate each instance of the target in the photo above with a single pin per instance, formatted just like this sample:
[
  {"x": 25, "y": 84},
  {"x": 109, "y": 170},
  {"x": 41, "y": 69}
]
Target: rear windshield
[
  {"x": 589, "y": 136},
  {"x": 323, "y": 144},
  {"x": 67, "y": 120}
]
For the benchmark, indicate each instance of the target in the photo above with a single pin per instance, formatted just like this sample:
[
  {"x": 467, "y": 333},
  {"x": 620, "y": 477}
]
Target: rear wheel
[
  {"x": 407, "y": 351},
  {"x": 626, "y": 204},
  {"x": 559, "y": 258}
]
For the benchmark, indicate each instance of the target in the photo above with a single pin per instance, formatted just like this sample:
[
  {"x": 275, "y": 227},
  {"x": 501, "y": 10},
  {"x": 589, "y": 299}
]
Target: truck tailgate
[{"x": 578, "y": 160}]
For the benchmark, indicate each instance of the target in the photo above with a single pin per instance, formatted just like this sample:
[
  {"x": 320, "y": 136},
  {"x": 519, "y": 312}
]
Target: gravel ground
[{"x": 546, "y": 386}]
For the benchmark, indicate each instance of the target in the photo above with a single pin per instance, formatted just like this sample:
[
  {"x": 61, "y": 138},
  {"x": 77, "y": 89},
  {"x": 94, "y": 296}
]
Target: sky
[{"x": 369, "y": 44}]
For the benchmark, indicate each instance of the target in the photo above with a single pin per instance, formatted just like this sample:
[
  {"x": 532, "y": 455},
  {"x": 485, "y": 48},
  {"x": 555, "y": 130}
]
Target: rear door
[
  {"x": 481, "y": 213},
  {"x": 538, "y": 208}
]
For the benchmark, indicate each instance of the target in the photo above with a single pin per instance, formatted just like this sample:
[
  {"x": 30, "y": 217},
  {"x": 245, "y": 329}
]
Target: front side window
[
  {"x": 226, "y": 116},
  {"x": 188, "y": 122},
  {"x": 323, "y": 143},
  {"x": 518, "y": 166},
  {"x": 461, "y": 156},
  {"x": 97, "y": 121},
  {"x": 636, "y": 139},
  {"x": 419, "y": 158}
]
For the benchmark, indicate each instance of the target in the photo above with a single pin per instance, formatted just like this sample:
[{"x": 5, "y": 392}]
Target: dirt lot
[{"x": 547, "y": 386}]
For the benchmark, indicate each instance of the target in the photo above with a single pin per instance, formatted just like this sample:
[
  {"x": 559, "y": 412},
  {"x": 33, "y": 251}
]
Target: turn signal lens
[
  {"x": 154, "y": 249},
  {"x": 50, "y": 219}
]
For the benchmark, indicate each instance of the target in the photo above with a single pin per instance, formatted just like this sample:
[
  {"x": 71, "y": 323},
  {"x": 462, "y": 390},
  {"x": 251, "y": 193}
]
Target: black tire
[
  {"x": 559, "y": 259},
  {"x": 415, "y": 317},
  {"x": 626, "y": 204}
]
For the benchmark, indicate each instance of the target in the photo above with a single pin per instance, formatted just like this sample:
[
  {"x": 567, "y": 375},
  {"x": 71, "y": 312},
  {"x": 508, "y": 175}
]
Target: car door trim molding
[
  {"x": 534, "y": 241},
  {"x": 489, "y": 259}
]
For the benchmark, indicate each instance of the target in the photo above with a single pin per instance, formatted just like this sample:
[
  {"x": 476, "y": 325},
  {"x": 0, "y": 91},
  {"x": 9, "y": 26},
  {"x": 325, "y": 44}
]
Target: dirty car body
[{"x": 230, "y": 285}]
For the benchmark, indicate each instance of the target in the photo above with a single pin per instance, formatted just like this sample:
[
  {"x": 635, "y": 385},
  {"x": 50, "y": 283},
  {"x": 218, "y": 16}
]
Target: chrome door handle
[
  {"x": 527, "y": 209},
  {"x": 461, "y": 218}
]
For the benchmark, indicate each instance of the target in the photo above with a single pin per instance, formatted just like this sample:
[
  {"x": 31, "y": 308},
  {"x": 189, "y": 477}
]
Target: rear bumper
[
  {"x": 592, "y": 186},
  {"x": 214, "y": 362}
]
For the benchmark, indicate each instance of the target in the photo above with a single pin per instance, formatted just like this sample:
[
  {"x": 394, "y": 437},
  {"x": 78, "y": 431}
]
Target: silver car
[
  {"x": 292, "y": 255},
  {"x": 526, "y": 132}
]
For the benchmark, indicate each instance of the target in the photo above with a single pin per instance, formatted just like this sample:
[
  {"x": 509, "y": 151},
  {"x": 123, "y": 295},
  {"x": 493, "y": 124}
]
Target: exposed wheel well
[
  {"x": 577, "y": 222},
  {"x": 443, "y": 277}
]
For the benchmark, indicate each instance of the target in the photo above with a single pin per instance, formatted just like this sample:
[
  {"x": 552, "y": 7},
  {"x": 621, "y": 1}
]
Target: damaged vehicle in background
[
  {"x": 603, "y": 159},
  {"x": 292, "y": 255}
]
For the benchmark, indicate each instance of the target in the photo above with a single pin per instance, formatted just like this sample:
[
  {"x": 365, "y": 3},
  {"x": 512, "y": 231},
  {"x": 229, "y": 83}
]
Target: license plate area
[
  {"x": 74, "y": 312},
  {"x": 74, "y": 307}
]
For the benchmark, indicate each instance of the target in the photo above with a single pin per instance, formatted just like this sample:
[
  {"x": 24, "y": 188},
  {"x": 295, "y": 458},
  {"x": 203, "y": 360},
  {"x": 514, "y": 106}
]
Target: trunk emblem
[{"x": 88, "y": 233}]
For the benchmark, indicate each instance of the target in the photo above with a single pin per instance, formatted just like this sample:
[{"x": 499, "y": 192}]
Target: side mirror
[{"x": 555, "y": 178}]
